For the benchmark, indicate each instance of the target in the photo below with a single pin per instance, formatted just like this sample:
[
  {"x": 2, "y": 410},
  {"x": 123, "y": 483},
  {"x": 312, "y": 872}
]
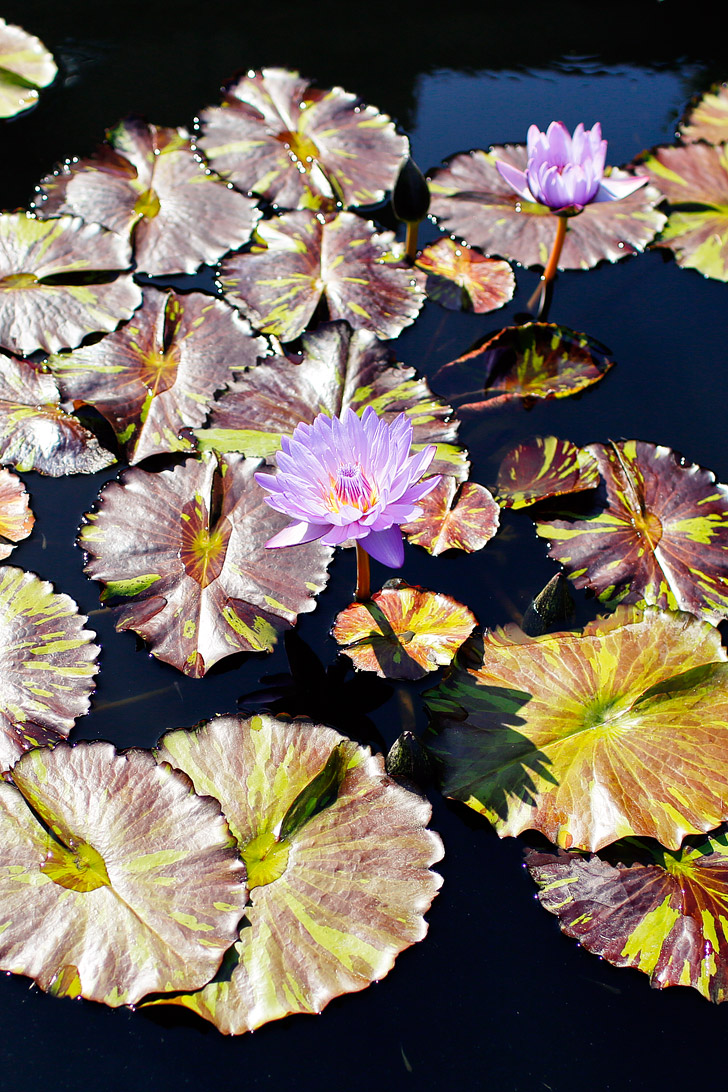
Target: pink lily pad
[
  {"x": 16, "y": 518},
  {"x": 463, "y": 279},
  {"x": 707, "y": 117},
  {"x": 454, "y": 517}
]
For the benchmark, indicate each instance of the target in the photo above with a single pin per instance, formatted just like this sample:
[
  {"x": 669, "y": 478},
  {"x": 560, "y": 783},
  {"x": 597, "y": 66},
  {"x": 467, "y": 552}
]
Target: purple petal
[
  {"x": 516, "y": 179},
  {"x": 614, "y": 189},
  {"x": 385, "y": 546},
  {"x": 295, "y": 534}
]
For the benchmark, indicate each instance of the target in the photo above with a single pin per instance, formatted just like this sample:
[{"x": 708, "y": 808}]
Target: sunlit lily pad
[
  {"x": 337, "y": 368},
  {"x": 536, "y": 360},
  {"x": 299, "y": 257},
  {"x": 542, "y": 467},
  {"x": 115, "y": 879},
  {"x": 657, "y": 531},
  {"x": 16, "y": 518},
  {"x": 54, "y": 282},
  {"x": 462, "y": 279},
  {"x": 707, "y": 119},
  {"x": 25, "y": 65},
  {"x": 589, "y": 737},
  {"x": 185, "y": 551},
  {"x": 454, "y": 517},
  {"x": 403, "y": 632},
  {"x": 694, "y": 174},
  {"x": 277, "y": 135},
  {"x": 47, "y": 664},
  {"x": 147, "y": 180},
  {"x": 664, "y": 913},
  {"x": 35, "y": 433},
  {"x": 338, "y": 860},
  {"x": 471, "y": 200},
  {"x": 157, "y": 375}
]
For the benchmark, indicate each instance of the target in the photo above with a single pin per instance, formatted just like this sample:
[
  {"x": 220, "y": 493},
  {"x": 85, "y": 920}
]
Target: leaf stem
[
  {"x": 411, "y": 241},
  {"x": 363, "y": 583},
  {"x": 551, "y": 266}
]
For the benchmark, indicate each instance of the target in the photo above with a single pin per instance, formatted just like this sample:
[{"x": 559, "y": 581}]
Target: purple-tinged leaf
[
  {"x": 542, "y": 467},
  {"x": 16, "y": 518},
  {"x": 462, "y": 279},
  {"x": 707, "y": 117}
]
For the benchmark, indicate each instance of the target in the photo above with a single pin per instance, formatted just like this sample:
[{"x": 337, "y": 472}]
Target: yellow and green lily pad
[
  {"x": 25, "y": 66},
  {"x": 454, "y": 517},
  {"x": 707, "y": 117},
  {"x": 16, "y": 518},
  {"x": 543, "y": 467},
  {"x": 462, "y": 279}
]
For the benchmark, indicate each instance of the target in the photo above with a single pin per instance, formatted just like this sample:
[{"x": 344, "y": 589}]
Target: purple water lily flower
[
  {"x": 566, "y": 172},
  {"x": 349, "y": 477}
]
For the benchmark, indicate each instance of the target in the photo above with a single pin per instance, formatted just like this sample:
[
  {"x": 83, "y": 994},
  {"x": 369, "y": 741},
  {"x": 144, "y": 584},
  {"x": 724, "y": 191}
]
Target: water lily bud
[
  {"x": 408, "y": 760},
  {"x": 552, "y": 609},
  {"x": 411, "y": 195}
]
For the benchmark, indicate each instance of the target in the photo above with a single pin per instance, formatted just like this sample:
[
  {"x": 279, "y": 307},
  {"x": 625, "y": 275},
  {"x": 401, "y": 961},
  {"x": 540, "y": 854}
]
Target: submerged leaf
[
  {"x": 25, "y": 65},
  {"x": 544, "y": 467},
  {"x": 462, "y": 279}
]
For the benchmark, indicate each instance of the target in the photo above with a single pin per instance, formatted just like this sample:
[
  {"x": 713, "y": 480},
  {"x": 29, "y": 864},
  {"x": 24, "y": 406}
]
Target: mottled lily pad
[
  {"x": 707, "y": 118},
  {"x": 115, "y": 879},
  {"x": 185, "y": 551},
  {"x": 696, "y": 174},
  {"x": 147, "y": 180},
  {"x": 16, "y": 518},
  {"x": 454, "y": 517},
  {"x": 54, "y": 282},
  {"x": 338, "y": 860},
  {"x": 665, "y": 913},
  {"x": 336, "y": 369},
  {"x": 657, "y": 532},
  {"x": 279, "y": 136},
  {"x": 536, "y": 360},
  {"x": 471, "y": 200},
  {"x": 301, "y": 256},
  {"x": 47, "y": 664},
  {"x": 589, "y": 737},
  {"x": 25, "y": 65},
  {"x": 463, "y": 279},
  {"x": 158, "y": 374},
  {"x": 542, "y": 467},
  {"x": 403, "y": 632},
  {"x": 35, "y": 433}
]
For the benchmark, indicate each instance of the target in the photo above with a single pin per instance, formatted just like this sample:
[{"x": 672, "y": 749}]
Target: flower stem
[
  {"x": 551, "y": 266},
  {"x": 363, "y": 585},
  {"x": 411, "y": 242}
]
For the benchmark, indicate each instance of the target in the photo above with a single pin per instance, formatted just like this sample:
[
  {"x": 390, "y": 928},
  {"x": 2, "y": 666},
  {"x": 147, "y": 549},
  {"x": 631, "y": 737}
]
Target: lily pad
[
  {"x": 542, "y": 467},
  {"x": 115, "y": 879},
  {"x": 337, "y": 368},
  {"x": 25, "y": 65},
  {"x": 54, "y": 282},
  {"x": 16, "y": 518},
  {"x": 535, "y": 361},
  {"x": 707, "y": 118},
  {"x": 403, "y": 632},
  {"x": 185, "y": 551},
  {"x": 147, "y": 180},
  {"x": 696, "y": 174},
  {"x": 338, "y": 860},
  {"x": 589, "y": 737},
  {"x": 663, "y": 912},
  {"x": 463, "y": 279},
  {"x": 157, "y": 375},
  {"x": 301, "y": 256},
  {"x": 656, "y": 532},
  {"x": 35, "y": 433},
  {"x": 472, "y": 201},
  {"x": 279, "y": 136},
  {"x": 47, "y": 664},
  {"x": 454, "y": 517}
]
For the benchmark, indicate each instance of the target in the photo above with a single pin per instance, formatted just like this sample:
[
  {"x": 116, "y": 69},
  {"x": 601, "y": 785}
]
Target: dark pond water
[{"x": 495, "y": 997}]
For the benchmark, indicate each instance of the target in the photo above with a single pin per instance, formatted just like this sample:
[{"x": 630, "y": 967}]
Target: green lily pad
[
  {"x": 707, "y": 117},
  {"x": 657, "y": 532},
  {"x": 115, "y": 879},
  {"x": 16, "y": 518},
  {"x": 338, "y": 860},
  {"x": 542, "y": 467},
  {"x": 454, "y": 517},
  {"x": 592, "y": 736},
  {"x": 25, "y": 66},
  {"x": 463, "y": 279}
]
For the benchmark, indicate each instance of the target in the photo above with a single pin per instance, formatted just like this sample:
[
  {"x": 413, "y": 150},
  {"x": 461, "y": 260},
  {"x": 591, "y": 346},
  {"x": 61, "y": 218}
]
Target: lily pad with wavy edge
[
  {"x": 54, "y": 282},
  {"x": 35, "y": 433},
  {"x": 115, "y": 879},
  {"x": 337, "y": 368},
  {"x": 454, "y": 517},
  {"x": 147, "y": 180},
  {"x": 185, "y": 551},
  {"x": 542, "y": 467},
  {"x": 403, "y": 632},
  {"x": 696, "y": 174},
  {"x": 664, "y": 913},
  {"x": 338, "y": 859},
  {"x": 25, "y": 66},
  {"x": 472, "y": 201},
  {"x": 656, "y": 532},
  {"x": 299, "y": 257},
  {"x": 463, "y": 279},
  {"x": 47, "y": 664},
  {"x": 16, "y": 518},
  {"x": 588, "y": 737},
  {"x": 157, "y": 375},
  {"x": 279, "y": 136},
  {"x": 707, "y": 117},
  {"x": 536, "y": 360}
]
